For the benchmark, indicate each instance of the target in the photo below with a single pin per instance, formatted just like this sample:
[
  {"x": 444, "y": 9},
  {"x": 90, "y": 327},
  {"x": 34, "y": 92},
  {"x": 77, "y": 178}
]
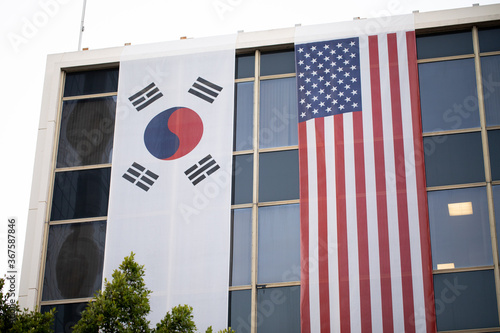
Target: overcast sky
[{"x": 30, "y": 30}]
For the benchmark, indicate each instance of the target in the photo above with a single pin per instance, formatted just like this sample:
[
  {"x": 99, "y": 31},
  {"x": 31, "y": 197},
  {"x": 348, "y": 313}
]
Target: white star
[
  {"x": 333, "y": 76},
  {"x": 353, "y": 55},
  {"x": 308, "y": 67},
  {"x": 308, "y": 93},
  {"x": 333, "y": 64},
  {"x": 328, "y": 96},
  {"x": 340, "y": 69},
  {"x": 334, "y": 102},
  {"x": 347, "y": 99},
  {"x": 353, "y": 67},
  {"x": 327, "y": 70},
  {"x": 301, "y": 74},
  {"x": 313, "y": 48},
  {"x": 328, "y": 109},
  {"x": 301, "y": 50},
  {"x": 315, "y": 98},
  {"x": 314, "y": 73},
  {"x": 346, "y": 62},
  {"x": 315, "y": 85},
  {"x": 327, "y": 83},
  {"x": 301, "y": 88},
  {"x": 341, "y": 94},
  {"x": 334, "y": 88},
  {"x": 314, "y": 61},
  {"x": 354, "y": 92},
  {"x": 333, "y": 52},
  {"x": 326, "y": 58},
  {"x": 321, "y": 91},
  {"x": 354, "y": 105},
  {"x": 346, "y": 50},
  {"x": 308, "y": 106},
  {"x": 326, "y": 46},
  {"x": 341, "y": 107},
  {"x": 315, "y": 111},
  {"x": 301, "y": 62},
  {"x": 302, "y": 101},
  {"x": 320, "y": 66},
  {"x": 339, "y": 45},
  {"x": 347, "y": 87},
  {"x": 322, "y": 104},
  {"x": 307, "y": 55},
  {"x": 354, "y": 80},
  {"x": 320, "y": 79},
  {"x": 308, "y": 80},
  {"x": 320, "y": 53},
  {"x": 303, "y": 114},
  {"x": 339, "y": 57},
  {"x": 352, "y": 43},
  {"x": 347, "y": 74}
]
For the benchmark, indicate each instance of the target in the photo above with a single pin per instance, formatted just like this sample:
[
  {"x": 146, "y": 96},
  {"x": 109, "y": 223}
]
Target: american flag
[{"x": 365, "y": 246}]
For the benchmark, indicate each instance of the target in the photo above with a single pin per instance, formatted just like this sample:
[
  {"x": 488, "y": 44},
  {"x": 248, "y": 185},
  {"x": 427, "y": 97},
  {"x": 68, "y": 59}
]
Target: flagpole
[{"x": 81, "y": 25}]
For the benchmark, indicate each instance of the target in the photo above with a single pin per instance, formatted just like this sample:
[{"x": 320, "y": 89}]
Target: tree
[
  {"x": 13, "y": 320},
  {"x": 123, "y": 305}
]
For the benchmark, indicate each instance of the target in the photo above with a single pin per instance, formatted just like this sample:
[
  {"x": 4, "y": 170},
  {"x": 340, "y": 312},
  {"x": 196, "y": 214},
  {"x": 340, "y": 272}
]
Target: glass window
[
  {"x": 279, "y": 175},
  {"x": 489, "y": 40},
  {"x": 239, "y": 310},
  {"x": 243, "y": 118},
  {"x": 278, "y": 113},
  {"x": 245, "y": 66},
  {"x": 465, "y": 300},
  {"x": 241, "y": 247},
  {"x": 443, "y": 45},
  {"x": 277, "y": 63},
  {"x": 80, "y": 194},
  {"x": 460, "y": 228},
  {"x": 75, "y": 254},
  {"x": 454, "y": 159},
  {"x": 91, "y": 82},
  {"x": 279, "y": 244},
  {"x": 444, "y": 108},
  {"x": 278, "y": 310},
  {"x": 490, "y": 68},
  {"x": 66, "y": 316},
  {"x": 496, "y": 202},
  {"x": 494, "y": 143},
  {"x": 242, "y": 179},
  {"x": 86, "y": 135}
]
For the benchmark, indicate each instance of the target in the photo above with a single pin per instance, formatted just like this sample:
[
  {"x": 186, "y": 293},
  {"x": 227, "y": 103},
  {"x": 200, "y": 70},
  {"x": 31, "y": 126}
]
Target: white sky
[{"x": 31, "y": 29}]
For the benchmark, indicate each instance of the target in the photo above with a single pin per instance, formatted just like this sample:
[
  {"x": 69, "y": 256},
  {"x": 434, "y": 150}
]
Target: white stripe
[
  {"x": 351, "y": 221},
  {"x": 392, "y": 204},
  {"x": 371, "y": 190},
  {"x": 411, "y": 188},
  {"x": 313, "y": 227},
  {"x": 333, "y": 263}
]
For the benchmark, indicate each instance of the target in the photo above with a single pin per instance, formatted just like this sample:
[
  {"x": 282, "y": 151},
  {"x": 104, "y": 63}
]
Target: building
[{"x": 458, "y": 55}]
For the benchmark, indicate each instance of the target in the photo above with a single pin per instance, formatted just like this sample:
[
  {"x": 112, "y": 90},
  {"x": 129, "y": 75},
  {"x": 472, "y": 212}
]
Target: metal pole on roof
[{"x": 82, "y": 26}]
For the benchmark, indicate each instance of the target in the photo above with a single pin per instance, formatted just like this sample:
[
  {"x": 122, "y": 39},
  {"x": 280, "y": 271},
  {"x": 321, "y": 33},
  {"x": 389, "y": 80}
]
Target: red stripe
[
  {"x": 425, "y": 243},
  {"x": 402, "y": 201},
  {"x": 305, "y": 318},
  {"x": 363, "y": 251},
  {"x": 383, "y": 232},
  {"x": 343, "y": 262},
  {"x": 324, "y": 290}
]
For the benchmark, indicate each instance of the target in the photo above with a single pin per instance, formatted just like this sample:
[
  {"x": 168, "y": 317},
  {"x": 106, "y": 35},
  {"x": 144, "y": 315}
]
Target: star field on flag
[{"x": 328, "y": 78}]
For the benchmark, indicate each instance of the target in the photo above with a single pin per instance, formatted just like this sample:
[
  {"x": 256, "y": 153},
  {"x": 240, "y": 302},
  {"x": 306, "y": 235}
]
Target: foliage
[
  {"x": 13, "y": 320},
  {"x": 123, "y": 305}
]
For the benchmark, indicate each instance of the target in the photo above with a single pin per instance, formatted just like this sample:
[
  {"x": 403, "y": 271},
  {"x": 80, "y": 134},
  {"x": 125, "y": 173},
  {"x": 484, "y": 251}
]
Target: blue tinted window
[
  {"x": 245, "y": 66},
  {"x": 448, "y": 95},
  {"x": 490, "y": 68},
  {"x": 279, "y": 175},
  {"x": 494, "y": 143},
  {"x": 454, "y": 159},
  {"x": 66, "y": 316},
  {"x": 242, "y": 179},
  {"x": 75, "y": 254},
  {"x": 465, "y": 300},
  {"x": 91, "y": 82},
  {"x": 278, "y": 113},
  {"x": 278, "y": 310},
  {"x": 279, "y": 239},
  {"x": 443, "y": 45},
  {"x": 277, "y": 63},
  {"x": 241, "y": 247},
  {"x": 80, "y": 194},
  {"x": 460, "y": 228},
  {"x": 239, "y": 310},
  {"x": 243, "y": 117},
  {"x": 489, "y": 40}
]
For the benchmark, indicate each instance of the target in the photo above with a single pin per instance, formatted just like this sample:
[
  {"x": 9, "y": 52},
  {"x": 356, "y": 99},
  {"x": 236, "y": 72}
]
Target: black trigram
[
  {"x": 140, "y": 176},
  {"x": 202, "y": 169},
  {"x": 145, "y": 97},
  {"x": 205, "y": 90}
]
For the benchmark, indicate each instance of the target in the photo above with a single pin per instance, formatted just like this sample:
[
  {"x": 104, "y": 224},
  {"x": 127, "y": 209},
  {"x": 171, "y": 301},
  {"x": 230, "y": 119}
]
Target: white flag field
[{"x": 170, "y": 196}]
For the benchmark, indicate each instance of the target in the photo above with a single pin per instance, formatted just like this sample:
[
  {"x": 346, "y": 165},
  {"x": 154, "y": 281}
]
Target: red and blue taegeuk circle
[{"x": 173, "y": 133}]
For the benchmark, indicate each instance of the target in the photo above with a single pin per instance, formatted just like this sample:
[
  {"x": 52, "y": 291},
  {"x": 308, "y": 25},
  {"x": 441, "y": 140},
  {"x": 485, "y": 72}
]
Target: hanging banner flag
[
  {"x": 170, "y": 196},
  {"x": 365, "y": 245}
]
